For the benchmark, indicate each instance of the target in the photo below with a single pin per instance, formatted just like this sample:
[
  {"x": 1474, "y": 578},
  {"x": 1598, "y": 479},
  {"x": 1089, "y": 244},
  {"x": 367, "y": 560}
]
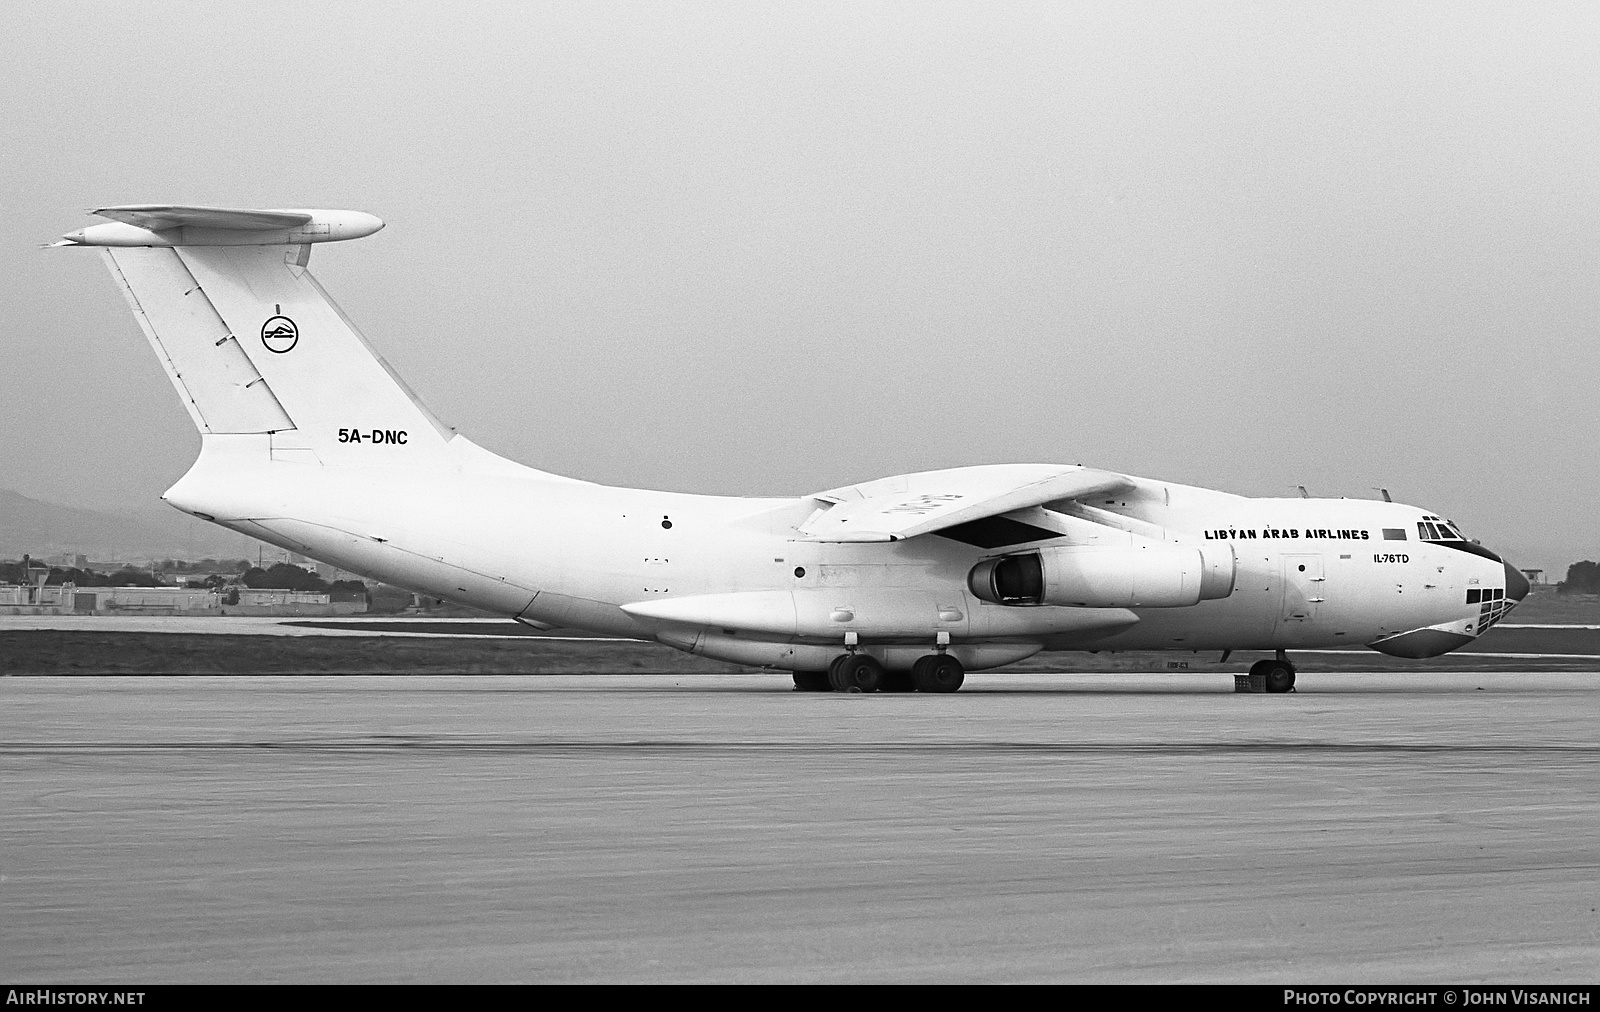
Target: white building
[{"x": 66, "y": 599}]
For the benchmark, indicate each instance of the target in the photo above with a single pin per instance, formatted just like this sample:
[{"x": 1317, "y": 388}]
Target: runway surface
[
  {"x": 260, "y": 625},
  {"x": 1556, "y": 638},
  {"x": 1421, "y": 827}
]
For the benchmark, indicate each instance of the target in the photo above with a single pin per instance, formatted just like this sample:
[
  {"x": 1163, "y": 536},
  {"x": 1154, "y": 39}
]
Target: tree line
[
  {"x": 284, "y": 576},
  {"x": 1582, "y": 578},
  {"x": 281, "y": 576}
]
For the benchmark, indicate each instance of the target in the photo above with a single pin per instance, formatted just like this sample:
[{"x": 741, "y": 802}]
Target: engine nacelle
[{"x": 1149, "y": 575}]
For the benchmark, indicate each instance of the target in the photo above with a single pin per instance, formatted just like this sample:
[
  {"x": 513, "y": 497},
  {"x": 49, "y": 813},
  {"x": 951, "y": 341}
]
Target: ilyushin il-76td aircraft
[{"x": 311, "y": 442}]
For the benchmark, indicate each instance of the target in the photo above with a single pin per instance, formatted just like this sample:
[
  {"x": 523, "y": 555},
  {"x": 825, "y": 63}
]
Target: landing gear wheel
[
  {"x": 897, "y": 681},
  {"x": 1256, "y": 680},
  {"x": 938, "y": 673},
  {"x": 1279, "y": 676},
  {"x": 856, "y": 673},
  {"x": 811, "y": 681},
  {"x": 833, "y": 673}
]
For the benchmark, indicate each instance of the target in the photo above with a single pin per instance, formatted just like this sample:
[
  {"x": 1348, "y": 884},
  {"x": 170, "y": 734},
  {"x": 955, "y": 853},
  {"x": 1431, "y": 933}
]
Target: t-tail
[{"x": 250, "y": 340}]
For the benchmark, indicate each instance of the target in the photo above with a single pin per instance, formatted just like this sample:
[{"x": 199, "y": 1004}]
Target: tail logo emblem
[{"x": 279, "y": 334}]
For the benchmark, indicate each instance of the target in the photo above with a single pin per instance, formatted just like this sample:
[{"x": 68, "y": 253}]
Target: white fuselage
[{"x": 557, "y": 552}]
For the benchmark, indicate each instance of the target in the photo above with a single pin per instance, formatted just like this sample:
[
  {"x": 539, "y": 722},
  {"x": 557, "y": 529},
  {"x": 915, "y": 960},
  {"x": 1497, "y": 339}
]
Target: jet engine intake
[{"x": 1151, "y": 575}]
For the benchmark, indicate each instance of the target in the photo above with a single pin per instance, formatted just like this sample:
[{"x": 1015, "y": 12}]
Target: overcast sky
[{"x": 774, "y": 248}]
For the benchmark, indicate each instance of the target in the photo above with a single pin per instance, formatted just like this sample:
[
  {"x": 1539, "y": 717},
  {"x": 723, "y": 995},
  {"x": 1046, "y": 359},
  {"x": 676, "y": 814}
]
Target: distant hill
[{"x": 149, "y": 531}]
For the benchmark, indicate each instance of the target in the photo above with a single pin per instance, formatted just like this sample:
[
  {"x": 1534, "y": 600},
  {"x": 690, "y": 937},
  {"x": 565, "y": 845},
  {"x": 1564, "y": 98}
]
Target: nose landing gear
[{"x": 1272, "y": 675}]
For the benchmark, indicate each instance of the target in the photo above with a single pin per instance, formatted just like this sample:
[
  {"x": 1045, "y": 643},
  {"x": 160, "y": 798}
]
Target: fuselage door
[{"x": 1303, "y": 587}]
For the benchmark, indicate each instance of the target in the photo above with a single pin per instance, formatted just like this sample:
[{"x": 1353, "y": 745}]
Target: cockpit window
[
  {"x": 1440, "y": 531},
  {"x": 1427, "y": 532}
]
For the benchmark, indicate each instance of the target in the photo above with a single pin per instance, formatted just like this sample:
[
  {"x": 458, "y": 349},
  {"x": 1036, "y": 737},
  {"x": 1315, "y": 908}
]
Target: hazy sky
[{"x": 774, "y": 248}]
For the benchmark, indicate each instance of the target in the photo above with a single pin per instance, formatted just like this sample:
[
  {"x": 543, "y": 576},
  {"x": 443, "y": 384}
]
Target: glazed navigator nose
[{"x": 1516, "y": 583}]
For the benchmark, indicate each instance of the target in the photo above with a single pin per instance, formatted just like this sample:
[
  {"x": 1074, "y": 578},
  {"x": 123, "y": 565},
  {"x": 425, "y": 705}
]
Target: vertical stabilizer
[
  {"x": 254, "y": 345},
  {"x": 266, "y": 364},
  {"x": 344, "y": 400}
]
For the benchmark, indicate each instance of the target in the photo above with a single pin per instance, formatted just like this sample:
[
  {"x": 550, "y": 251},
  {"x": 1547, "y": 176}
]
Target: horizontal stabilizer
[
  {"x": 156, "y": 217},
  {"x": 893, "y": 509},
  {"x": 168, "y": 225}
]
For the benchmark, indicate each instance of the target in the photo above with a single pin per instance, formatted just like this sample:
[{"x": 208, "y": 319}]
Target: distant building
[
  {"x": 266, "y": 597},
  {"x": 66, "y": 599},
  {"x": 1535, "y": 576},
  {"x": 111, "y": 567},
  {"x": 35, "y": 600},
  {"x": 147, "y": 601},
  {"x": 261, "y": 601}
]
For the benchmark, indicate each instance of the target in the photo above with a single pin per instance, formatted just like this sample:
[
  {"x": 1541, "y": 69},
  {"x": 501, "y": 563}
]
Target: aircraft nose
[{"x": 1516, "y": 583}]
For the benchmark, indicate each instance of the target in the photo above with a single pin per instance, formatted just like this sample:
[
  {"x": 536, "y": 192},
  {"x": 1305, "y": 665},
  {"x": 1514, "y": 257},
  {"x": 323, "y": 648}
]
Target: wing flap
[
  {"x": 893, "y": 509},
  {"x": 156, "y": 217}
]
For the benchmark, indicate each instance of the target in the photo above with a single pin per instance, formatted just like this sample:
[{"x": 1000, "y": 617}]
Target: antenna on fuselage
[
  {"x": 1303, "y": 493},
  {"x": 1383, "y": 492}
]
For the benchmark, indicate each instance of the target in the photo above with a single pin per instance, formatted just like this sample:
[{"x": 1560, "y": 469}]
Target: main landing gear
[
  {"x": 855, "y": 673},
  {"x": 1274, "y": 674},
  {"x": 937, "y": 673},
  {"x": 858, "y": 672}
]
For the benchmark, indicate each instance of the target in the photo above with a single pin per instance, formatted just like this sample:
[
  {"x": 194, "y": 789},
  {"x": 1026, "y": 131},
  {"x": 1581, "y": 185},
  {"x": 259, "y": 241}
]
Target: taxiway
[{"x": 1066, "y": 827}]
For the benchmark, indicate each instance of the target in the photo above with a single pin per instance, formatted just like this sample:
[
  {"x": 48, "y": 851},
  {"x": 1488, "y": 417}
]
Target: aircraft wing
[
  {"x": 160, "y": 216},
  {"x": 893, "y": 509}
]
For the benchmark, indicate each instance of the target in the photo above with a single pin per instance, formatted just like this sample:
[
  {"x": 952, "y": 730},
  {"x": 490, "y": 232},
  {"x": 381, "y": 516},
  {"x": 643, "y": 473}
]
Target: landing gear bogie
[{"x": 855, "y": 671}]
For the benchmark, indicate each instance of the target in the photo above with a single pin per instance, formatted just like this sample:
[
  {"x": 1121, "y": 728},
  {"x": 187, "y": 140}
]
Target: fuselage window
[{"x": 1394, "y": 534}]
